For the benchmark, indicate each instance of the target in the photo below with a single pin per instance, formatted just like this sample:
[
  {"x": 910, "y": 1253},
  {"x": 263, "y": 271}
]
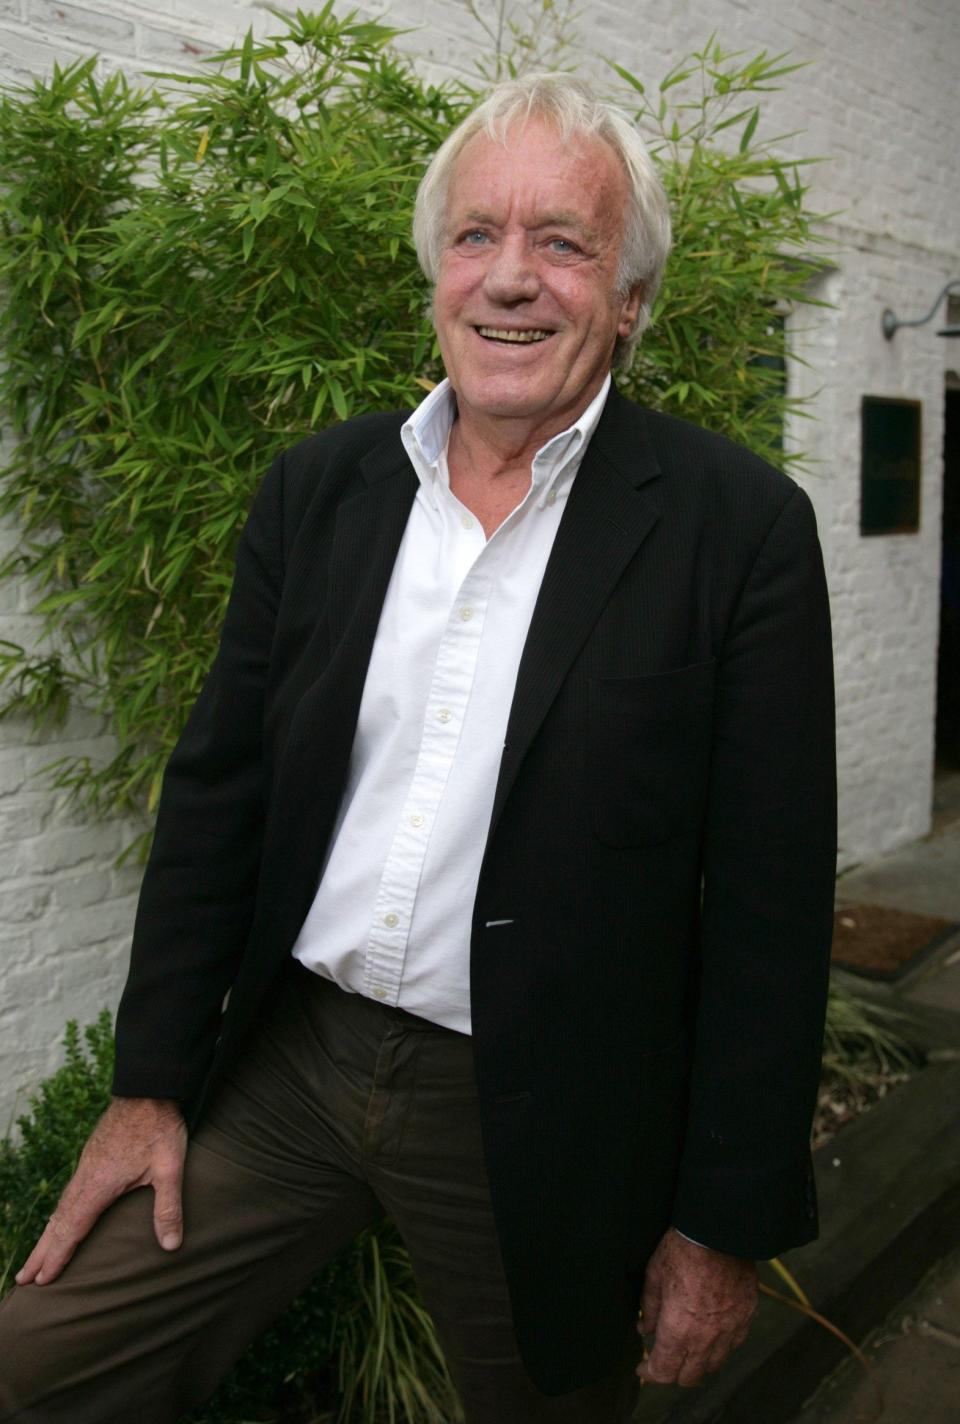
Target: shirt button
[
  {"x": 444, "y": 714},
  {"x": 379, "y": 993},
  {"x": 391, "y": 920},
  {"x": 466, "y": 614},
  {"x": 552, "y": 497},
  {"x": 416, "y": 819},
  {"x": 466, "y": 521}
]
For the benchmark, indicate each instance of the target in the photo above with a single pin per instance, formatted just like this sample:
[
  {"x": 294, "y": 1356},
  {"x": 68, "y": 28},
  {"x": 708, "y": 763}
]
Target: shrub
[
  {"x": 35, "y": 1169},
  {"x": 199, "y": 275},
  {"x": 863, "y": 1038},
  {"x": 744, "y": 250},
  {"x": 191, "y": 285}
]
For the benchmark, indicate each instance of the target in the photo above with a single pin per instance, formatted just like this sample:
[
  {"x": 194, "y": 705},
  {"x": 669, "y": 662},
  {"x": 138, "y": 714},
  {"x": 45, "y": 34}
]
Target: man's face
[{"x": 526, "y": 307}]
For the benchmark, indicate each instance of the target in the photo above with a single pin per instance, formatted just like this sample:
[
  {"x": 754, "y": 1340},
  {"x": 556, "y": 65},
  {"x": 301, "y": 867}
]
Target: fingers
[
  {"x": 719, "y": 1352},
  {"x": 678, "y": 1355},
  {"x": 168, "y": 1205},
  {"x": 698, "y": 1304},
  {"x": 674, "y": 1362},
  {"x": 664, "y": 1363},
  {"x": 739, "y": 1336},
  {"x": 28, "y": 1272},
  {"x": 652, "y": 1298},
  {"x": 137, "y": 1142},
  {"x": 650, "y": 1310},
  {"x": 70, "y": 1223}
]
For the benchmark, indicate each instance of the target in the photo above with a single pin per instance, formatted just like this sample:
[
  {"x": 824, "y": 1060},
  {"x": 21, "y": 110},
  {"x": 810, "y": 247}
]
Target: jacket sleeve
[
  {"x": 746, "y": 1184},
  {"x": 198, "y": 891}
]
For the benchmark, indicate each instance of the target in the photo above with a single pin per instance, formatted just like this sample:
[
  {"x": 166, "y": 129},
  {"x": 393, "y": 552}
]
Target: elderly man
[{"x": 505, "y": 820}]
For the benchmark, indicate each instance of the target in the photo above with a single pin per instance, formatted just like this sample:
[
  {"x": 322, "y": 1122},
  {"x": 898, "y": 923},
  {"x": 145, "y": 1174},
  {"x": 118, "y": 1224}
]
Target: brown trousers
[{"x": 340, "y": 1111}]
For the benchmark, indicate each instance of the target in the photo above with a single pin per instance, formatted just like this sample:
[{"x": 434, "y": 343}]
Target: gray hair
[{"x": 575, "y": 110}]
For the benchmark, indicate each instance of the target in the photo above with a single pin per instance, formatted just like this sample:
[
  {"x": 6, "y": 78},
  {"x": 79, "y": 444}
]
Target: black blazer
[{"x": 647, "y": 1025}]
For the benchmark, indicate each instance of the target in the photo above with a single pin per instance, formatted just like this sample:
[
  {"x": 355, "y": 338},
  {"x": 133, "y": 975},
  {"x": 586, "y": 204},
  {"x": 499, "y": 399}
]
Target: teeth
[{"x": 497, "y": 333}]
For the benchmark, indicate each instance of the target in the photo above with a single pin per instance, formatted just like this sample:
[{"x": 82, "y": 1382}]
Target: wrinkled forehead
[
  {"x": 538, "y": 133},
  {"x": 532, "y": 159}
]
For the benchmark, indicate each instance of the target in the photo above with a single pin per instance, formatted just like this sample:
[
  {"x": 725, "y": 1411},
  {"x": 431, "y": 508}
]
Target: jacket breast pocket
[{"x": 650, "y": 754}]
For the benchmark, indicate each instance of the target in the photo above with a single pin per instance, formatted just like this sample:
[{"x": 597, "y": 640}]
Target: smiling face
[{"x": 526, "y": 304}]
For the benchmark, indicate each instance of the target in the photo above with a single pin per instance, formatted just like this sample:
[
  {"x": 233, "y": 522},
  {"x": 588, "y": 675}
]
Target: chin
[
  {"x": 509, "y": 410},
  {"x": 506, "y": 396}
]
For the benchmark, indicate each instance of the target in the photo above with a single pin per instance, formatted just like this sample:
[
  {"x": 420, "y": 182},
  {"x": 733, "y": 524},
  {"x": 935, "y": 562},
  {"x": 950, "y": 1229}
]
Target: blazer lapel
[
  {"x": 367, "y": 533},
  {"x": 614, "y": 503}
]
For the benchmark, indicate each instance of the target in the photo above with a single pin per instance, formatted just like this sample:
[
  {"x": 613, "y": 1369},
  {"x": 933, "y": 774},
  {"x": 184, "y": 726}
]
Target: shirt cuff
[{"x": 691, "y": 1239}]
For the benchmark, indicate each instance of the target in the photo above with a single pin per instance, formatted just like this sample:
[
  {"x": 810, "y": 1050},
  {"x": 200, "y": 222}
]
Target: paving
[
  {"x": 923, "y": 878},
  {"x": 886, "y": 1267},
  {"x": 913, "y": 1363},
  {"x": 914, "y": 1355}
]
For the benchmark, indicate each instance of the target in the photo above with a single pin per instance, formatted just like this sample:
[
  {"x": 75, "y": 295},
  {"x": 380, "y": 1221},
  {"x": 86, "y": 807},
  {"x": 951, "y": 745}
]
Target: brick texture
[{"x": 878, "y": 100}]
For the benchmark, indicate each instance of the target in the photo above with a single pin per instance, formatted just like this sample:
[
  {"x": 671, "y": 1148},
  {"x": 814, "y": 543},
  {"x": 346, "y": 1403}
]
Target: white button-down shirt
[{"x": 392, "y": 916}]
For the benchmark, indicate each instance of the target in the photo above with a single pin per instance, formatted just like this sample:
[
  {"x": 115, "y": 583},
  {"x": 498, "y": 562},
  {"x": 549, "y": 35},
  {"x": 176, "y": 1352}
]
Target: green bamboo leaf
[
  {"x": 246, "y": 58},
  {"x": 749, "y": 131},
  {"x": 734, "y": 119},
  {"x": 625, "y": 74},
  {"x": 338, "y": 398},
  {"x": 318, "y": 404},
  {"x": 223, "y": 439},
  {"x": 676, "y": 76},
  {"x": 147, "y": 358}
]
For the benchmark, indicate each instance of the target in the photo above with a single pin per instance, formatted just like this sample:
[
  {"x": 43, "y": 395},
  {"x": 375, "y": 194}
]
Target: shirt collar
[{"x": 426, "y": 433}]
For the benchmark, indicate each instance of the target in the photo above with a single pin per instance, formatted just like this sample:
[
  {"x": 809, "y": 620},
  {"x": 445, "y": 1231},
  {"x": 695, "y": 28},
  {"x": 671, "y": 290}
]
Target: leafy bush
[
  {"x": 190, "y": 285},
  {"x": 356, "y": 1346},
  {"x": 863, "y": 1038},
  {"x": 197, "y": 276},
  {"x": 35, "y": 1169},
  {"x": 744, "y": 250}
]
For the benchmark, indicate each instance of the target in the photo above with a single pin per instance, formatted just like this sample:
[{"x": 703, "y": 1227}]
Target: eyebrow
[
  {"x": 557, "y": 219},
  {"x": 562, "y": 219},
  {"x": 476, "y": 215}
]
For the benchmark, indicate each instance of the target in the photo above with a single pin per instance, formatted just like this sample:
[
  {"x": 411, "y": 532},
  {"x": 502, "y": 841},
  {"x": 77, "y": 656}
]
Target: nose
[{"x": 511, "y": 275}]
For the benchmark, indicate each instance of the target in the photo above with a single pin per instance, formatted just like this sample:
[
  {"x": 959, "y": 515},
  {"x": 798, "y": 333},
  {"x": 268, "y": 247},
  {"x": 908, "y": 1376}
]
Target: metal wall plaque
[{"x": 889, "y": 465}]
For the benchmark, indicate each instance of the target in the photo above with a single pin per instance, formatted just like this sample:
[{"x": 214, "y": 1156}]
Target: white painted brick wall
[
  {"x": 65, "y": 907},
  {"x": 880, "y": 100}
]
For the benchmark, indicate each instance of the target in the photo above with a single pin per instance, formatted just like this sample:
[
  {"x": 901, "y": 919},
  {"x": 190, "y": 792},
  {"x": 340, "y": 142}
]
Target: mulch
[
  {"x": 877, "y": 942},
  {"x": 881, "y": 943},
  {"x": 840, "y": 1100}
]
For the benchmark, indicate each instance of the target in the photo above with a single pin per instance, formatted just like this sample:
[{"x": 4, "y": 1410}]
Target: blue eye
[
  {"x": 474, "y": 238},
  {"x": 562, "y": 245}
]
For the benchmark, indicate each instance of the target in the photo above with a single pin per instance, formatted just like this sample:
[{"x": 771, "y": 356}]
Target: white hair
[{"x": 575, "y": 110}]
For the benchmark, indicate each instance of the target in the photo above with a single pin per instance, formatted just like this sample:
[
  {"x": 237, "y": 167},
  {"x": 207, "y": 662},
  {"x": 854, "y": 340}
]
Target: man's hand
[
  {"x": 138, "y": 1142},
  {"x": 698, "y": 1305}
]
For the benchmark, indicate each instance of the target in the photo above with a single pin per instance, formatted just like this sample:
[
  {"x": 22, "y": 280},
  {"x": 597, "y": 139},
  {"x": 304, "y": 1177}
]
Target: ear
[{"x": 629, "y": 311}]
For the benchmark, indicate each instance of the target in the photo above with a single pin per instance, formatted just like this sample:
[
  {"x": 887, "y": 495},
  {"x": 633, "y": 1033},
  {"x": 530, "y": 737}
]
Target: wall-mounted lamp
[{"x": 892, "y": 323}]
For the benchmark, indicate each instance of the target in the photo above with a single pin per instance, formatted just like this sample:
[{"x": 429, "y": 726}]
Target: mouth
[{"x": 513, "y": 336}]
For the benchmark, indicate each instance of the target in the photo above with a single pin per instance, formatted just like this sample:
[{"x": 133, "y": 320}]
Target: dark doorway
[{"x": 948, "y": 658}]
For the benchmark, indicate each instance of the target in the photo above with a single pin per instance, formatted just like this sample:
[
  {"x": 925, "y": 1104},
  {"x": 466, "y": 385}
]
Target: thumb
[
  {"x": 650, "y": 1302},
  {"x": 168, "y": 1212}
]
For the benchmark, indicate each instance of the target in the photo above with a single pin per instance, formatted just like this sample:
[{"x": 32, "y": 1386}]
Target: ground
[{"x": 914, "y": 1360}]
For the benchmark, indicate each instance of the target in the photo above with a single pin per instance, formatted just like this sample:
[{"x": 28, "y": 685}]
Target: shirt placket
[{"x": 451, "y": 684}]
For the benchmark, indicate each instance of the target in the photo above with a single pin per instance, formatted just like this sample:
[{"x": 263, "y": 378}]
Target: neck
[{"x": 493, "y": 446}]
